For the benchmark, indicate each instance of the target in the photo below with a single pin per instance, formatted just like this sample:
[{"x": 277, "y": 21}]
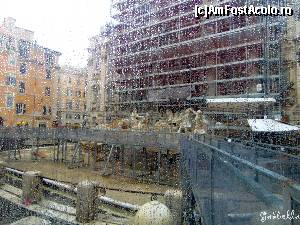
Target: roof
[
  {"x": 270, "y": 125},
  {"x": 239, "y": 100},
  {"x": 52, "y": 51},
  {"x": 68, "y": 70}
]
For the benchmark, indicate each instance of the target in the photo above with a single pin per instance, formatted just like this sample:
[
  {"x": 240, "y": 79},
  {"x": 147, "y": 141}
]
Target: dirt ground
[{"x": 61, "y": 172}]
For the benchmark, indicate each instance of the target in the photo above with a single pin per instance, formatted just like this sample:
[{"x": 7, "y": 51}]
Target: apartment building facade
[
  {"x": 71, "y": 97},
  {"x": 27, "y": 71},
  {"x": 165, "y": 58},
  {"x": 97, "y": 66}
]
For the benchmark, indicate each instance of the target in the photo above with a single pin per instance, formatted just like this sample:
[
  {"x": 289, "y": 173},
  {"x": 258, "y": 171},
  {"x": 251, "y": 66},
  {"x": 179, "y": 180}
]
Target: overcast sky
[{"x": 62, "y": 25}]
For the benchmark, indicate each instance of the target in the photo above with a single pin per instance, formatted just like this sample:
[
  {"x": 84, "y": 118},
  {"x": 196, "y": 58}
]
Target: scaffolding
[{"x": 163, "y": 57}]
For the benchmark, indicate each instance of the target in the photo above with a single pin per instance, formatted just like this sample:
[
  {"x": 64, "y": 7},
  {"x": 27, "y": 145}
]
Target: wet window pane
[{"x": 149, "y": 112}]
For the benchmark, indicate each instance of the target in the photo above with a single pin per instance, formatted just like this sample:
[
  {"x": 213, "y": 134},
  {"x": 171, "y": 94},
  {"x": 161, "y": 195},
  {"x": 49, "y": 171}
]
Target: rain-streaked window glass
[{"x": 149, "y": 112}]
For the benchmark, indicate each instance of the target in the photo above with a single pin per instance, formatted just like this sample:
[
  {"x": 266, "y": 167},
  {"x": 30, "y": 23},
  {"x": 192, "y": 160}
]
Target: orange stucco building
[{"x": 27, "y": 74}]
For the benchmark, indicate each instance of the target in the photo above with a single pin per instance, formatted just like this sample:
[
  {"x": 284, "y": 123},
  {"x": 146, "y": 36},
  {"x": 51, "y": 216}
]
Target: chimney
[{"x": 9, "y": 22}]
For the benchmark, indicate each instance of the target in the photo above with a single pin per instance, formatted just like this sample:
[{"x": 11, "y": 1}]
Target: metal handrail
[
  {"x": 122, "y": 137},
  {"x": 248, "y": 164},
  {"x": 72, "y": 189}
]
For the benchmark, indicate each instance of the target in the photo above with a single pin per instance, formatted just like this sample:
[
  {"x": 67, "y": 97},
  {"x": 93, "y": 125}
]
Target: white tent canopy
[
  {"x": 269, "y": 125},
  {"x": 239, "y": 100}
]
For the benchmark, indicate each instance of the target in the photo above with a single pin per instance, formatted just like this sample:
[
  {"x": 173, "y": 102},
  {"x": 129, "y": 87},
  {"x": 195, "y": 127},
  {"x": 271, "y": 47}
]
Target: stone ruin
[{"x": 186, "y": 121}]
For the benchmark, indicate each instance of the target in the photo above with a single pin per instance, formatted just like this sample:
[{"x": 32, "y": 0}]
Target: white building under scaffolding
[{"x": 97, "y": 75}]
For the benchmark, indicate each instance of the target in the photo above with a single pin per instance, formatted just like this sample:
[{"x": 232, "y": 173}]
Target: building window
[
  {"x": 97, "y": 66},
  {"x": 47, "y": 91},
  {"x": 69, "y": 105},
  {"x": 20, "y": 108},
  {"x": 12, "y": 59},
  {"x": 9, "y": 101},
  {"x": 22, "y": 87},
  {"x": 10, "y": 44},
  {"x": 23, "y": 68},
  {"x": 84, "y": 107},
  {"x": 78, "y": 93},
  {"x": 84, "y": 93},
  {"x": 58, "y": 105},
  {"x": 77, "y": 117},
  {"x": 44, "y": 110},
  {"x": 47, "y": 110},
  {"x": 49, "y": 59},
  {"x": 70, "y": 80},
  {"x": 48, "y": 73},
  {"x": 1, "y": 122},
  {"x": 11, "y": 80},
  {"x": 77, "y": 105},
  {"x": 42, "y": 125},
  {"x": 2, "y": 42},
  {"x": 24, "y": 49},
  {"x": 69, "y": 92}
]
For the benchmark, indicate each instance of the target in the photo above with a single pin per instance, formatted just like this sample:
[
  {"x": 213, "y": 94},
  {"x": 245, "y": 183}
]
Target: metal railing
[
  {"x": 223, "y": 182},
  {"x": 228, "y": 183},
  {"x": 120, "y": 152},
  {"x": 268, "y": 156},
  {"x": 122, "y": 137},
  {"x": 65, "y": 188}
]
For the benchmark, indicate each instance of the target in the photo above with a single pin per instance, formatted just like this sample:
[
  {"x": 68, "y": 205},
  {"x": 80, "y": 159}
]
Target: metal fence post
[
  {"x": 212, "y": 209},
  {"x": 158, "y": 164},
  {"x": 123, "y": 159},
  {"x": 134, "y": 162}
]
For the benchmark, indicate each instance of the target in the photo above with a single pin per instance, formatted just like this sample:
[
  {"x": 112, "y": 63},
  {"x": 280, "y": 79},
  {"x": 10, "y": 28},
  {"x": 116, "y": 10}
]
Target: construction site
[
  {"x": 117, "y": 176},
  {"x": 163, "y": 57},
  {"x": 117, "y": 161}
]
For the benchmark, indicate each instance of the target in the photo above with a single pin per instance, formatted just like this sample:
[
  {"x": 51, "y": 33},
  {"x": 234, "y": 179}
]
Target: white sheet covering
[
  {"x": 239, "y": 100},
  {"x": 270, "y": 125}
]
